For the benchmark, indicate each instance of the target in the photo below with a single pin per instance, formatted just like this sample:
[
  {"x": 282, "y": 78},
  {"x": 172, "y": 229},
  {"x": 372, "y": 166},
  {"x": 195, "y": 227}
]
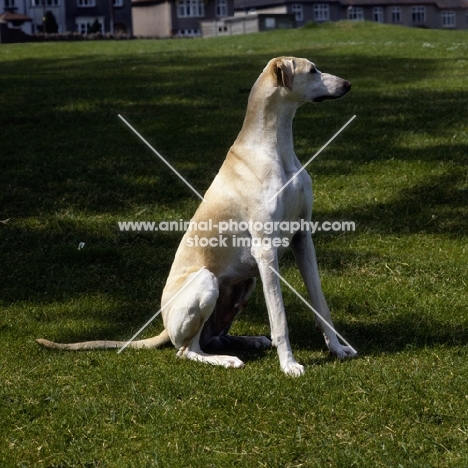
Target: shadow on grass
[
  {"x": 437, "y": 206},
  {"x": 64, "y": 148},
  {"x": 371, "y": 337}
]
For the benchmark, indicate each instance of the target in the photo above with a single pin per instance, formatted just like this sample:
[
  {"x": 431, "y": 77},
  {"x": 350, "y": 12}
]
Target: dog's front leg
[
  {"x": 276, "y": 313},
  {"x": 306, "y": 259}
]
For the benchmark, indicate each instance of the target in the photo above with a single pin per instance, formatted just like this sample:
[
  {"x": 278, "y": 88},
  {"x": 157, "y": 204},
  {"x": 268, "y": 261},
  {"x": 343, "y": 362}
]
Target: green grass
[{"x": 397, "y": 286}]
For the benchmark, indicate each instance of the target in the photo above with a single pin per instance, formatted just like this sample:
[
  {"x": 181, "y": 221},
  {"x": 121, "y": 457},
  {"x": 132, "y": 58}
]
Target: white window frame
[
  {"x": 448, "y": 19},
  {"x": 355, "y": 13},
  {"x": 396, "y": 15},
  {"x": 190, "y": 9},
  {"x": 297, "y": 10},
  {"x": 85, "y": 3},
  {"x": 418, "y": 14},
  {"x": 82, "y": 27},
  {"x": 221, "y": 8},
  {"x": 377, "y": 14},
  {"x": 321, "y": 12},
  {"x": 82, "y": 24}
]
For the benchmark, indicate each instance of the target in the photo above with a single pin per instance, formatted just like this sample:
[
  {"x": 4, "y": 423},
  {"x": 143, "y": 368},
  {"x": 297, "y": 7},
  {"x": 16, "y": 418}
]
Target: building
[
  {"x": 192, "y": 18},
  {"x": 37, "y": 9},
  {"x": 104, "y": 16},
  {"x": 19, "y": 7},
  {"x": 245, "y": 24},
  {"x": 10, "y": 27},
  {"x": 80, "y": 16},
  {"x": 181, "y": 18},
  {"x": 451, "y": 14}
]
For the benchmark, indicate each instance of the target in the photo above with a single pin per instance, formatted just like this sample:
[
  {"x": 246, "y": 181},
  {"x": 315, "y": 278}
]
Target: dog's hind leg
[
  {"x": 215, "y": 337},
  {"x": 194, "y": 352},
  {"x": 185, "y": 319}
]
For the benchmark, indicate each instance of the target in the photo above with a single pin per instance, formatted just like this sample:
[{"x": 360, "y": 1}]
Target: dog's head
[{"x": 304, "y": 81}]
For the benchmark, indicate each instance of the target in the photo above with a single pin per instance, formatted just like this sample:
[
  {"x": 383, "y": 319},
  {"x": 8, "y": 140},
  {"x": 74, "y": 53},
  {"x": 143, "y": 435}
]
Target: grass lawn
[{"x": 397, "y": 286}]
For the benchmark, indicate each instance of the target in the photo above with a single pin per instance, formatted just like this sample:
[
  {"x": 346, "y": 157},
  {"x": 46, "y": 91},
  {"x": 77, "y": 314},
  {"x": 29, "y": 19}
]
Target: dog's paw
[
  {"x": 262, "y": 342},
  {"x": 215, "y": 360},
  {"x": 343, "y": 352},
  {"x": 231, "y": 362},
  {"x": 246, "y": 342},
  {"x": 293, "y": 369}
]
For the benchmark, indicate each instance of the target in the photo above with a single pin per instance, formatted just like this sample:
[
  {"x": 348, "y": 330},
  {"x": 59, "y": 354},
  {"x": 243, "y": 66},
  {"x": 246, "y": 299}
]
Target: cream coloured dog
[{"x": 209, "y": 285}]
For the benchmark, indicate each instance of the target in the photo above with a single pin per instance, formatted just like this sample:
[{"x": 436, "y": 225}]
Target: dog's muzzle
[{"x": 337, "y": 92}]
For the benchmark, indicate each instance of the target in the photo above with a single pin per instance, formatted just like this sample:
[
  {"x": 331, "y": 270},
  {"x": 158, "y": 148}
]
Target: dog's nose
[{"x": 347, "y": 85}]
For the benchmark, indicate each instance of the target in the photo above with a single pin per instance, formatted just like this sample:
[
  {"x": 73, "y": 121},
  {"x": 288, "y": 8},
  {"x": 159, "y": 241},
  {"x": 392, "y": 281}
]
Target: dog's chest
[{"x": 294, "y": 199}]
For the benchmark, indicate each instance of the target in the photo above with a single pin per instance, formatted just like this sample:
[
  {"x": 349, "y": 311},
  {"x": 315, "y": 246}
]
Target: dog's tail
[{"x": 154, "y": 342}]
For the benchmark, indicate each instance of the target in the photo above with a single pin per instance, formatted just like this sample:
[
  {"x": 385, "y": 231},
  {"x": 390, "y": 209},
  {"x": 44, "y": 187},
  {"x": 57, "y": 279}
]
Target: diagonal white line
[
  {"x": 158, "y": 312},
  {"x": 162, "y": 159},
  {"x": 312, "y": 158},
  {"x": 310, "y": 307}
]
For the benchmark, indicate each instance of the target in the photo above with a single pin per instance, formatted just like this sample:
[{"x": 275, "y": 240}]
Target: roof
[
  {"x": 442, "y": 4},
  {"x": 247, "y": 4},
  {"x": 8, "y": 16},
  {"x": 136, "y": 3}
]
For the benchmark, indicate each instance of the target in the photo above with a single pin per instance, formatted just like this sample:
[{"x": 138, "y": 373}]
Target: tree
[
  {"x": 95, "y": 27},
  {"x": 50, "y": 23}
]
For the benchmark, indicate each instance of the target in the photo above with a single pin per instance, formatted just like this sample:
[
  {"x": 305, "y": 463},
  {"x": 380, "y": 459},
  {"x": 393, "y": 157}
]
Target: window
[
  {"x": 396, "y": 15},
  {"x": 377, "y": 14},
  {"x": 49, "y": 3},
  {"x": 189, "y": 32},
  {"x": 86, "y": 3},
  {"x": 221, "y": 8},
  {"x": 117, "y": 3},
  {"x": 191, "y": 9},
  {"x": 82, "y": 27},
  {"x": 89, "y": 25},
  {"x": 9, "y": 4},
  {"x": 297, "y": 9},
  {"x": 448, "y": 19},
  {"x": 418, "y": 14},
  {"x": 321, "y": 12},
  {"x": 355, "y": 13}
]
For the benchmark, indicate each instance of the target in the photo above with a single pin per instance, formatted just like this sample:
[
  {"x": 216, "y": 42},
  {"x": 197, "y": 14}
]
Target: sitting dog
[{"x": 259, "y": 183}]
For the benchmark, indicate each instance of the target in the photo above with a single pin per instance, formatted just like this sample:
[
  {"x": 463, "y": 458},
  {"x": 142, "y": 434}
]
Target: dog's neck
[{"x": 268, "y": 126}]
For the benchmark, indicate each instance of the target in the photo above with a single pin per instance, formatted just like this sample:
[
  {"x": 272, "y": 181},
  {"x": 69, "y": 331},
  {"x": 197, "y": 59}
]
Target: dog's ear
[{"x": 284, "y": 71}]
